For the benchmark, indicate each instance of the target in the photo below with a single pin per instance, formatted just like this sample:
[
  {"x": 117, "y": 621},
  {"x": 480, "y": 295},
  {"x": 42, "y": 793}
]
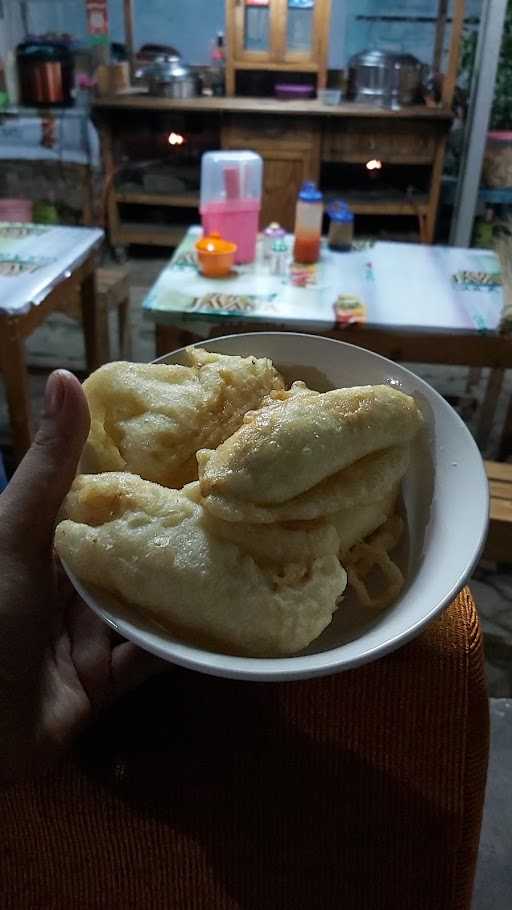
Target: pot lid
[
  {"x": 169, "y": 68},
  {"x": 213, "y": 243},
  {"x": 405, "y": 60},
  {"x": 371, "y": 58}
]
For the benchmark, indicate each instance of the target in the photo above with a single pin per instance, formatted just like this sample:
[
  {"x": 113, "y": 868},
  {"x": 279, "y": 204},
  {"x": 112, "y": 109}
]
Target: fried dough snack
[
  {"x": 289, "y": 447},
  {"x": 354, "y": 525},
  {"x": 150, "y": 419},
  {"x": 374, "y": 553},
  {"x": 366, "y": 481},
  {"x": 306, "y": 457},
  {"x": 155, "y": 548}
]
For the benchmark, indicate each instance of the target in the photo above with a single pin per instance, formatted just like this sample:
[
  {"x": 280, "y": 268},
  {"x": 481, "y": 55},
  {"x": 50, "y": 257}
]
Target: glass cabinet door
[
  {"x": 300, "y": 27},
  {"x": 256, "y": 26},
  {"x": 279, "y": 31}
]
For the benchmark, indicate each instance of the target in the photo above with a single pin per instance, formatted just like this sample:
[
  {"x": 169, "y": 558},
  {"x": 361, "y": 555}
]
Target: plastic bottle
[
  {"x": 341, "y": 228},
  {"x": 308, "y": 224},
  {"x": 217, "y": 52}
]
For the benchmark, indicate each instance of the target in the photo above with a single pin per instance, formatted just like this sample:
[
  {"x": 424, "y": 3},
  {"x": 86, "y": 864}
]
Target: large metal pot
[
  {"x": 46, "y": 72},
  {"x": 369, "y": 77},
  {"x": 169, "y": 77},
  {"x": 384, "y": 79}
]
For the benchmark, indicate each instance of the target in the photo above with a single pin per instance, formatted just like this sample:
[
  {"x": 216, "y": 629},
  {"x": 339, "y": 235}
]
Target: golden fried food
[
  {"x": 287, "y": 448},
  {"x": 150, "y": 419},
  {"x": 298, "y": 542},
  {"x": 366, "y": 481},
  {"x": 374, "y": 553},
  {"x": 353, "y": 525},
  {"x": 152, "y": 547}
]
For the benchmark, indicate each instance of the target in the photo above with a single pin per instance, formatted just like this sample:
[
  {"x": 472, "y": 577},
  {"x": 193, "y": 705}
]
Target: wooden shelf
[
  {"x": 150, "y": 234},
  {"x": 384, "y": 205},
  {"x": 179, "y": 200},
  {"x": 314, "y": 108}
]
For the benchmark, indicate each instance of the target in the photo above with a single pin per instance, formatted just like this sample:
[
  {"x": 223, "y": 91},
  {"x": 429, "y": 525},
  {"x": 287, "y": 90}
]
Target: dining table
[
  {"x": 43, "y": 268},
  {"x": 409, "y": 302}
]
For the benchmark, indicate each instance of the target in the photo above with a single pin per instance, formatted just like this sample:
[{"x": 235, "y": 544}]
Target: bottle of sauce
[
  {"x": 341, "y": 228},
  {"x": 308, "y": 224}
]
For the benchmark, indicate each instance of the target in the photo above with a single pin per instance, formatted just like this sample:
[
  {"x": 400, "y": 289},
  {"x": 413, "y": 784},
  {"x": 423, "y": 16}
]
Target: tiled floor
[{"x": 493, "y": 887}]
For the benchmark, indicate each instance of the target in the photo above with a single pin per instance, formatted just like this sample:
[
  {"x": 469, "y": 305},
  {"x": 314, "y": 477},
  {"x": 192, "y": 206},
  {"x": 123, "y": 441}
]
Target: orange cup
[{"x": 216, "y": 256}]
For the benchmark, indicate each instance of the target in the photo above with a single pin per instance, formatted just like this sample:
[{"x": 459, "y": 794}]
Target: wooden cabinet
[
  {"x": 291, "y": 154},
  {"x": 409, "y": 142},
  {"x": 278, "y": 35},
  {"x": 293, "y": 138}
]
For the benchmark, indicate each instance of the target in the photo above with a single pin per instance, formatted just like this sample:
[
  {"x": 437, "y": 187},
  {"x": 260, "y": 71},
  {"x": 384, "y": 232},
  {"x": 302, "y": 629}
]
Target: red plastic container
[
  {"x": 231, "y": 199},
  {"x": 19, "y": 210}
]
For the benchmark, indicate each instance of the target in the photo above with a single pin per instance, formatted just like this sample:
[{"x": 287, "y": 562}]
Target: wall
[
  {"x": 11, "y": 29},
  {"x": 414, "y": 37},
  {"x": 191, "y": 24}
]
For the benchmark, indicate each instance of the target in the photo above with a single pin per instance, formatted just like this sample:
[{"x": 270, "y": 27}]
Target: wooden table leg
[
  {"x": 488, "y": 409},
  {"x": 125, "y": 330},
  {"x": 505, "y": 449},
  {"x": 169, "y": 338},
  {"x": 14, "y": 370},
  {"x": 95, "y": 325}
]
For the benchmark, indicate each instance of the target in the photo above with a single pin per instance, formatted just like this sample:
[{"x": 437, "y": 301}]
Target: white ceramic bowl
[{"x": 445, "y": 498}]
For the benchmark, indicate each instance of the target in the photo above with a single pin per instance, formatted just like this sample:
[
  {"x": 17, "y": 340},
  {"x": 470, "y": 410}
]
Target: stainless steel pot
[
  {"x": 384, "y": 79},
  {"x": 169, "y": 77},
  {"x": 370, "y": 76}
]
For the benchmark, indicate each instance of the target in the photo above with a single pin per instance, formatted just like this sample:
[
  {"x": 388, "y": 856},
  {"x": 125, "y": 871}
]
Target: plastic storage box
[{"x": 231, "y": 198}]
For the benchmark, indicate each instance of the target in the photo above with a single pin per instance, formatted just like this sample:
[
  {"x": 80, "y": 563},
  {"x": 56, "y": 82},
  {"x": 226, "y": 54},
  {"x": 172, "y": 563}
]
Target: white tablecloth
[
  {"x": 398, "y": 285},
  {"x": 35, "y": 258}
]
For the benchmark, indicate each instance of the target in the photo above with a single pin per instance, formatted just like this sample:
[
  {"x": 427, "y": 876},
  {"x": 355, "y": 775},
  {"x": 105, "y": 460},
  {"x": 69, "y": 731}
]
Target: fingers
[
  {"x": 131, "y": 666},
  {"x": 106, "y": 672},
  {"x": 29, "y": 505}
]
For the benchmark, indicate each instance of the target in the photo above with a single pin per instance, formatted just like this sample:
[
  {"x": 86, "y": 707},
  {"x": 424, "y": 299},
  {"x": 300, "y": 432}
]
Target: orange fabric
[{"x": 361, "y": 791}]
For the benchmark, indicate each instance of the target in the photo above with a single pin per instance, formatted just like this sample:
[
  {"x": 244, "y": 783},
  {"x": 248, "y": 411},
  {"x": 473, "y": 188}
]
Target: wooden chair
[
  {"x": 499, "y": 541},
  {"x": 113, "y": 290}
]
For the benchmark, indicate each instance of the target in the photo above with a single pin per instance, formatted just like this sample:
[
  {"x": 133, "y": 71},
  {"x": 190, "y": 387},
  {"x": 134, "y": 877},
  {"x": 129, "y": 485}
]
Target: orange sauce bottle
[{"x": 308, "y": 224}]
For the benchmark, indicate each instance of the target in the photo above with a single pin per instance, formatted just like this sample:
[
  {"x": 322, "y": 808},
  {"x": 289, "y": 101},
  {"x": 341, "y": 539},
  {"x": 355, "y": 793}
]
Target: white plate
[{"x": 445, "y": 496}]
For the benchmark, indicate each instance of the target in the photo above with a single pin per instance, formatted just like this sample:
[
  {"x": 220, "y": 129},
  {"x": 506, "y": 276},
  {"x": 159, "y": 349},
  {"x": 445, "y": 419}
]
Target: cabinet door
[
  {"x": 255, "y": 38},
  {"x": 304, "y": 31},
  {"x": 291, "y": 154},
  {"x": 284, "y": 174}
]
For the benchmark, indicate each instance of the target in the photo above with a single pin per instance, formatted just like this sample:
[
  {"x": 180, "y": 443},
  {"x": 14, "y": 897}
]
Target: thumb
[{"x": 30, "y": 504}]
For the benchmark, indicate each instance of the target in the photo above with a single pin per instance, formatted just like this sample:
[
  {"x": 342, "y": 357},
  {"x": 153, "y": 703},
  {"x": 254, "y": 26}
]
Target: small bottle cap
[
  {"x": 310, "y": 193},
  {"x": 340, "y": 212}
]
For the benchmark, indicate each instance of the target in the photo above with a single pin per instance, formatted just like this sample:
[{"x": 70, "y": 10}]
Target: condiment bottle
[
  {"x": 273, "y": 232},
  {"x": 341, "y": 228},
  {"x": 279, "y": 257},
  {"x": 308, "y": 224}
]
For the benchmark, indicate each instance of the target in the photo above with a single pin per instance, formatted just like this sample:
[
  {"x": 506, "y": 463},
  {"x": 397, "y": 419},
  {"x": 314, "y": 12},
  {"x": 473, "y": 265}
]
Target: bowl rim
[{"x": 322, "y": 663}]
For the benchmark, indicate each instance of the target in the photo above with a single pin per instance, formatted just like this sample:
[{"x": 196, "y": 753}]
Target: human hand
[{"x": 59, "y": 663}]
